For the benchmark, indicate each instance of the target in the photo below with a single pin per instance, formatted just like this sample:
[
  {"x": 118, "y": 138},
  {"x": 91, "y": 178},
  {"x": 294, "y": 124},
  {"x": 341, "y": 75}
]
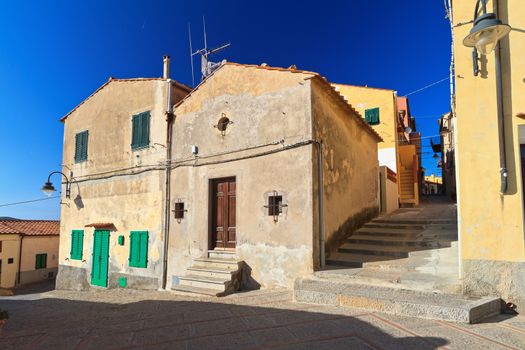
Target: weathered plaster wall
[
  {"x": 491, "y": 225},
  {"x": 265, "y": 108},
  {"x": 10, "y": 249},
  {"x": 116, "y": 184},
  {"x": 350, "y": 167},
  {"x": 389, "y": 196}
]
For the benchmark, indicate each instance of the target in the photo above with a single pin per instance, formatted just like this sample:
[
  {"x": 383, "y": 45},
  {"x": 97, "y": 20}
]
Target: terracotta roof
[
  {"x": 111, "y": 79},
  {"x": 292, "y": 69},
  {"x": 30, "y": 227}
]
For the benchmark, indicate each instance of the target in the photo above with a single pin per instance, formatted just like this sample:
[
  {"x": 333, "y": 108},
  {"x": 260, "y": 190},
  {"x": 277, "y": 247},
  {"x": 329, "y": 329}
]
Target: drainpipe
[
  {"x": 167, "y": 192},
  {"x": 19, "y": 259},
  {"x": 320, "y": 199},
  {"x": 501, "y": 123}
]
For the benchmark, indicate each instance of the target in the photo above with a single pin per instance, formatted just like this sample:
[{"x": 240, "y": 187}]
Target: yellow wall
[
  {"x": 362, "y": 98},
  {"x": 491, "y": 224},
  {"x": 10, "y": 249}
]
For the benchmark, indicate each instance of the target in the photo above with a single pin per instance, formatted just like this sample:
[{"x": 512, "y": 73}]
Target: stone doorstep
[{"x": 430, "y": 305}]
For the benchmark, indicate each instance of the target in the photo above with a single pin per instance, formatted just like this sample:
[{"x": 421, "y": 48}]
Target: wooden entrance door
[
  {"x": 99, "y": 269},
  {"x": 223, "y": 192}
]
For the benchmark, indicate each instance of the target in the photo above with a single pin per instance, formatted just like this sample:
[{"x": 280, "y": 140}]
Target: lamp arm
[
  {"x": 57, "y": 172},
  {"x": 483, "y": 8}
]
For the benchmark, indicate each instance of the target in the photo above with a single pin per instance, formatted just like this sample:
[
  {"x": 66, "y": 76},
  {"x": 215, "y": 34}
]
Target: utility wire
[
  {"x": 427, "y": 86},
  {"x": 29, "y": 201}
]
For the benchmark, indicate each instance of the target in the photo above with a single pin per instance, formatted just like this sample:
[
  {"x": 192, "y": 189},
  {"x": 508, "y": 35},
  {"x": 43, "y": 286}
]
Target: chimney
[{"x": 166, "y": 73}]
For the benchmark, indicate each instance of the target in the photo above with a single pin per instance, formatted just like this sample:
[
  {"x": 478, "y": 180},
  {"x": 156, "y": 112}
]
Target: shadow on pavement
[{"x": 51, "y": 323}]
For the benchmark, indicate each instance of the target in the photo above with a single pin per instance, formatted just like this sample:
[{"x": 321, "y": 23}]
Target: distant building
[
  {"x": 432, "y": 184},
  {"x": 400, "y": 152},
  {"x": 28, "y": 251},
  {"x": 448, "y": 166}
]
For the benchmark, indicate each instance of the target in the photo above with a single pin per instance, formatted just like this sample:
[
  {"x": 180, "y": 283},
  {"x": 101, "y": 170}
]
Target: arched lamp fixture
[
  {"x": 487, "y": 30},
  {"x": 48, "y": 187}
]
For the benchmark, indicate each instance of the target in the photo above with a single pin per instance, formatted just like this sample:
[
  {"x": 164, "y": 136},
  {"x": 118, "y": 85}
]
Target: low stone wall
[
  {"x": 38, "y": 275},
  {"x": 335, "y": 239},
  {"x": 133, "y": 281},
  {"x": 504, "y": 279},
  {"x": 72, "y": 278}
]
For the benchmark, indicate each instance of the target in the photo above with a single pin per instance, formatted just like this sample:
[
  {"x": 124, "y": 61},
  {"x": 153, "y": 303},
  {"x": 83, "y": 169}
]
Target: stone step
[
  {"x": 222, "y": 254},
  {"x": 210, "y": 272},
  {"x": 415, "y": 221},
  {"x": 194, "y": 291},
  {"x": 424, "y": 304},
  {"x": 353, "y": 260},
  {"x": 365, "y": 231},
  {"x": 227, "y": 264},
  {"x": 375, "y": 224},
  {"x": 371, "y": 249},
  {"x": 394, "y": 241},
  {"x": 217, "y": 284}
]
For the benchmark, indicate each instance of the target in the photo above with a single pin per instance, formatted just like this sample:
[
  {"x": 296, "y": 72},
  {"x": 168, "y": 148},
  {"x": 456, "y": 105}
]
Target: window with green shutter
[
  {"x": 138, "y": 249},
  {"x": 140, "y": 130},
  {"x": 41, "y": 261},
  {"x": 372, "y": 116},
  {"x": 81, "y": 146},
  {"x": 77, "y": 243}
]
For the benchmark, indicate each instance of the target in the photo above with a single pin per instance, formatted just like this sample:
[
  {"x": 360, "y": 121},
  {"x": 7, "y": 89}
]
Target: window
[
  {"x": 179, "y": 210},
  {"x": 0, "y": 246},
  {"x": 77, "y": 242},
  {"x": 81, "y": 146},
  {"x": 41, "y": 261},
  {"x": 10, "y": 260},
  {"x": 372, "y": 116},
  {"x": 140, "y": 130},
  {"x": 275, "y": 205},
  {"x": 138, "y": 250}
]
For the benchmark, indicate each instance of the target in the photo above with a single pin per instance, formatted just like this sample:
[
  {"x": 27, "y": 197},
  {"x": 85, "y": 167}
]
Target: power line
[
  {"x": 29, "y": 201},
  {"x": 427, "y": 86}
]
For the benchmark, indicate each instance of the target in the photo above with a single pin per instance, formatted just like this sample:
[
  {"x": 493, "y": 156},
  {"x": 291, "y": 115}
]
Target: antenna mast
[{"x": 207, "y": 67}]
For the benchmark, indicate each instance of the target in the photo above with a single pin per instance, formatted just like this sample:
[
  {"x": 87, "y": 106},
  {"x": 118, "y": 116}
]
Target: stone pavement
[{"x": 125, "y": 319}]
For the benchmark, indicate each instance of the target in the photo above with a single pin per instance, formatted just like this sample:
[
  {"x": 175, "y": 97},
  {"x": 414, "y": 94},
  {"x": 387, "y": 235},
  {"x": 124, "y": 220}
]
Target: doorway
[
  {"x": 99, "y": 270},
  {"x": 222, "y": 213}
]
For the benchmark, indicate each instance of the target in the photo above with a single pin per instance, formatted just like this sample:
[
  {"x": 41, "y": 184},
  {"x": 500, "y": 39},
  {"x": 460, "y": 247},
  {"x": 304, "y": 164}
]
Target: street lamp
[
  {"x": 487, "y": 30},
  {"x": 48, "y": 187}
]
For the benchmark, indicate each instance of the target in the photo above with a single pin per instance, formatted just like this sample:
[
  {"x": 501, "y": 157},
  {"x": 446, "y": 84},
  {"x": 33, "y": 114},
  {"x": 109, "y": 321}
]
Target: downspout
[
  {"x": 167, "y": 192},
  {"x": 20, "y": 259},
  {"x": 501, "y": 115},
  {"x": 320, "y": 199}
]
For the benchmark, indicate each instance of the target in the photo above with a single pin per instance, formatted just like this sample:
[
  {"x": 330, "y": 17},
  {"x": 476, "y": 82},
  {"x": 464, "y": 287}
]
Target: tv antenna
[{"x": 207, "y": 67}]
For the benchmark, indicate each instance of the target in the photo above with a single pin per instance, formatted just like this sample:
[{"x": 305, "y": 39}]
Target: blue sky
[{"x": 54, "y": 55}]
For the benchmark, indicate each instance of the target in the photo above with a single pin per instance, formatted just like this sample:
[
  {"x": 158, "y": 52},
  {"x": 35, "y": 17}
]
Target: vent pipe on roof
[{"x": 166, "y": 72}]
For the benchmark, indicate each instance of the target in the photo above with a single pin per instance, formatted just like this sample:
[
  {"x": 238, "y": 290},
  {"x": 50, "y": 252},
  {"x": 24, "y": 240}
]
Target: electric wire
[{"x": 28, "y": 201}]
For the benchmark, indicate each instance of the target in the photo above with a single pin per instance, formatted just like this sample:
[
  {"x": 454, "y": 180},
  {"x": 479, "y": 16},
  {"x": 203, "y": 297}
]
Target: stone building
[
  {"x": 228, "y": 178},
  {"x": 28, "y": 251}
]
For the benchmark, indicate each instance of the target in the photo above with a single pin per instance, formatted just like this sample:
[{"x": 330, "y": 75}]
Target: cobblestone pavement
[{"x": 125, "y": 319}]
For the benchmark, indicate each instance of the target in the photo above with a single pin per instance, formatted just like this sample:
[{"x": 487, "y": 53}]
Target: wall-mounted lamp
[
  {"x": 179, "y": 210},
  {"x": 48, "y": 187},
  {"x": 485, "y": 33}
]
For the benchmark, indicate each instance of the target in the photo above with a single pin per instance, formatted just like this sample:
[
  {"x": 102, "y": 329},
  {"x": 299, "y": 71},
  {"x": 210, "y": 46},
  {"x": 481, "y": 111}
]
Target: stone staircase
[
  {"x": 219, "y": 274},
  {"x": 405, "y": 263}
]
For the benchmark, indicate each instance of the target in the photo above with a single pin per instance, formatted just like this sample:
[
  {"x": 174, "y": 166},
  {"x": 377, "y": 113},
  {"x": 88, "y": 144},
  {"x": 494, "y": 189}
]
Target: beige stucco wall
[
  {"x": 491, "y": 224},
  {"x": 10, "y": 249},
  {"x": 33, "y": 245},
  {"x": 265, "y": 108},
  {"x": 350, "y": 165},
  {"x": 363, "y": 98},
  {"x": 116, "y": 184},
  {"x": 389, "y": 196}
]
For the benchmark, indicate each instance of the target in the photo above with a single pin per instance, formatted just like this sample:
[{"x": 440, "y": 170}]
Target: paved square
[{"x": 126, "y": 319}]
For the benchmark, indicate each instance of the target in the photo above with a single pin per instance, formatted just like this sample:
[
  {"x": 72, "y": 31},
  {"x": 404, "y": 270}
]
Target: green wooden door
[{"x": 99, "y": 270}]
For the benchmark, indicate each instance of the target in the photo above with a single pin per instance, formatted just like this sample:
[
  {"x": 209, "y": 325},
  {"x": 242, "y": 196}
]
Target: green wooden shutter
[
  {"x": 77, "y": 243},
  {"x": 135, "y": 131},
  {"x": 85, "y": 136},
  {"x": 372, "y": 116},
  {"x": 78, "y": 147},
  {"x": 138, "y": 250},
  {"x": 140, "y": 130}
]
